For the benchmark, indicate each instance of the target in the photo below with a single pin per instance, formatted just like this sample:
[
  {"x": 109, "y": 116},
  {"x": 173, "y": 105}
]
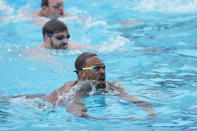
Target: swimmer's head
[
  {"x": 45, "y": 3},
  {"x": 55, "y": 34},
  {"x": 52, "y": 8},
  {"x": 90, "y": 67}
]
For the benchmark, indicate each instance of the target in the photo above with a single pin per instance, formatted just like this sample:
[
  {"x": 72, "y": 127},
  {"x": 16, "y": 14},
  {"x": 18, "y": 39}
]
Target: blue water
[{"x": 155, "y": 60}]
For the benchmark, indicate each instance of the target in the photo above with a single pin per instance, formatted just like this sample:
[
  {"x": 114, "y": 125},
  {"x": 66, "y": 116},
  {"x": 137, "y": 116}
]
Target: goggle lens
[
  {"x": 97, "y": 68},
  {"x": 61, "y": 37},
  {"x": 57, "y": 5}
]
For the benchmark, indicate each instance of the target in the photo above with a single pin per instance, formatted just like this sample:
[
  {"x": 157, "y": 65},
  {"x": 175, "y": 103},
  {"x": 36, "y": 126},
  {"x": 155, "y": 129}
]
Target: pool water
[{"x": 154, "y": 59}]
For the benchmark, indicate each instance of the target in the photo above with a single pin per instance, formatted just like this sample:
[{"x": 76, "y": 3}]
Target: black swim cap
[{"x": 81, "y": 60}]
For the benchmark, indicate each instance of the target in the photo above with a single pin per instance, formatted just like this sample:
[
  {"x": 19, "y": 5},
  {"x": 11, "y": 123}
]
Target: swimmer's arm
[
  {"x": 68, "y": 15},
  {"x": 129, "y": 22},
  {"x": 147, "y": 107},
  {"x": 78, "y": 109},
  {"x": 38, "y": 21},
  {"x": 77, "y": 17},
  {"x": 35, "y": 17},
  {"x": 77, "y": 46},
  {"x": 126, "y": 22},
  {"x": 36, "y": 13},
  {"x": 52, "y": 98}
]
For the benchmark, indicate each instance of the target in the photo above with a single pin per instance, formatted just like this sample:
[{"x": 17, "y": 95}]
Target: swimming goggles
[
  {"x": 57, "y": 5},
  {"x": 95, "y": 68},
  {"x": 59, "y": 37}
]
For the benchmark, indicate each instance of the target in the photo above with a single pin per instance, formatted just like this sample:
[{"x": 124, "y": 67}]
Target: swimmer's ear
[
  {"x": 45, "y": 10},
  {"x": 46, "y": 37},
  {"x": 81, "y": 75},
  {"x": 47, "y": 41}
]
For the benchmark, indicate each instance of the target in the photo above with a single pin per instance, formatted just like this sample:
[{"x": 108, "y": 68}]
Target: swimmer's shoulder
[
  {"x": 67, "y": 15},
  {"x": 67, "y": 86},
  {"x": 53, "y": 97},
  {"x": 36, "y": 13},
  {"x": 41, "y": 46}
]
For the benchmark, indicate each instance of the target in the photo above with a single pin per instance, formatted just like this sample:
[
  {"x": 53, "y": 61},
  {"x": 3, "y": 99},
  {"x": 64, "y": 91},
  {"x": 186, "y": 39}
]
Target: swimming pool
[{"x": 155, "y": 60}]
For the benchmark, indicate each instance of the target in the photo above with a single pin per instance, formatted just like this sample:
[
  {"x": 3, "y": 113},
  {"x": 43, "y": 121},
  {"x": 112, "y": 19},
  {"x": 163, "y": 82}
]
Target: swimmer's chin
[{"x": 63, "y": 46}]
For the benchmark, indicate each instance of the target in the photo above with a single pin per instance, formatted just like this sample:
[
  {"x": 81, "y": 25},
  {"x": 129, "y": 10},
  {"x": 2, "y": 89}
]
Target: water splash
[
  {"x": 113, "y": 45},
  {"x": 88, "y": 87},
  {"x": 37, "y": 104},
  {"x": 91, "y": 23},
  {"x": 5, "y": 8},
  {"x": 166, "y": 6},
  {"x": 9, "y": 14},
  {"x": 65, "y": 98}
]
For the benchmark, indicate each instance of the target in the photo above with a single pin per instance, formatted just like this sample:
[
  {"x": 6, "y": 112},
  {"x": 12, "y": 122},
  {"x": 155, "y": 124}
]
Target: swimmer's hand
[
  {"x": 130, "y": 22},
  {"x": 104, "y": 118},
  {"x": 151, "y": 114}
]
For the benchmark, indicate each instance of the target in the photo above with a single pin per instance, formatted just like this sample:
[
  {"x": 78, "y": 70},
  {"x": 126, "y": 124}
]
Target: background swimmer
[
  {"x": 52, "y": 9},
  {"x": 56, "y": 36}
]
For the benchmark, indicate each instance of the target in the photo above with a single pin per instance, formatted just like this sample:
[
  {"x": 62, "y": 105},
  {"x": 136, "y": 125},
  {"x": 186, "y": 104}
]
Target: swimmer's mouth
[
  {"x": 62, "y": 13},
  {"x": 101, "y": 78},
  {"x": 63, "y": 46},
  {"x": 101, "y": 83}
]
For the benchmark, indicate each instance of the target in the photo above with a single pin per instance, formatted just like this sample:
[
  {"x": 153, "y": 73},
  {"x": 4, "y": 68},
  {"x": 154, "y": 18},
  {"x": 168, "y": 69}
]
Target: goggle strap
[{"x": 49, "y": 34}]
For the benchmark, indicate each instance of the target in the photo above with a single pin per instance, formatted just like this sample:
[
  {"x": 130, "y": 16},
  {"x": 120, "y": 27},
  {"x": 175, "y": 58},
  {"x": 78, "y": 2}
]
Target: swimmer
[
  {"x": 56, "y": 36},
  {"x": 52, "y": 9},
  {"x": 89, "y": 67}
]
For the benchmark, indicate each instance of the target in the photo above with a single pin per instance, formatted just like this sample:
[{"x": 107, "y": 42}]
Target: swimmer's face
[
  {"x": 58, "y": 40},
  {"x": 56, "y": 8},
  {"x": 99, "y": 76}
]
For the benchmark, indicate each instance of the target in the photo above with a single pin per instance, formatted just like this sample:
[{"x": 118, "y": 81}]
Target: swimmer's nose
[
  {"x": 61, "y": 8},
  {"x": 101, "y": 70},
  {"x": 102, "y": 75},
  {"x": 65, "y": 40}
]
